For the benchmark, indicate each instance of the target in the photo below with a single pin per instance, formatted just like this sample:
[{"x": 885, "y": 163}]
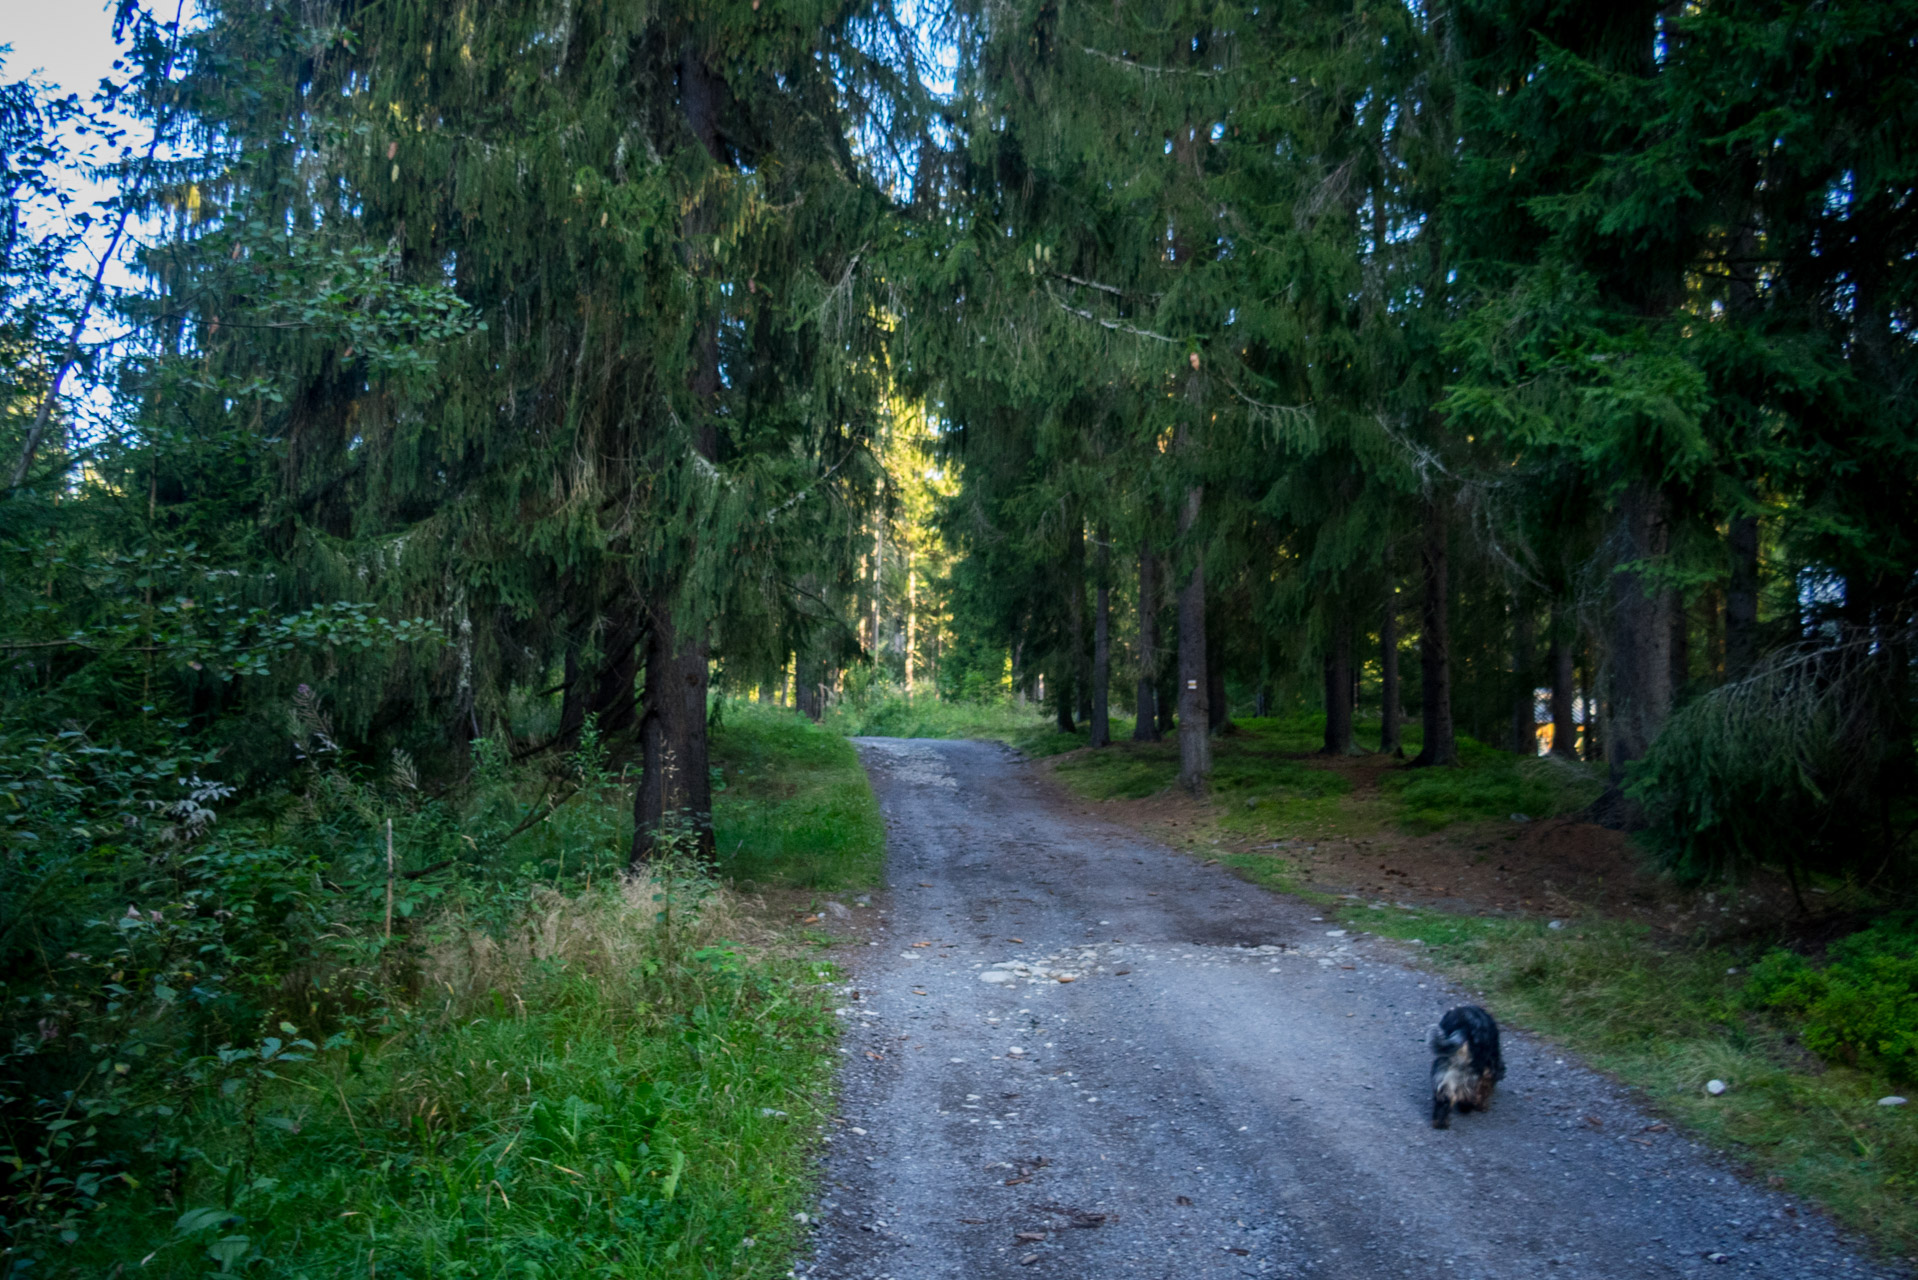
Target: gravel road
[{"x": 1074, "y": 1053}]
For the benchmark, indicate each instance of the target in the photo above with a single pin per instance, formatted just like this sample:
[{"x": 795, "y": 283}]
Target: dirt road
[{"x": 1187, "y": 1076}]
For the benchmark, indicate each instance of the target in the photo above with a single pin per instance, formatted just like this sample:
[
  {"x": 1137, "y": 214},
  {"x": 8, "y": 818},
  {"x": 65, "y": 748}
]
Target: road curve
[{"x": 1223, "y": 1087}]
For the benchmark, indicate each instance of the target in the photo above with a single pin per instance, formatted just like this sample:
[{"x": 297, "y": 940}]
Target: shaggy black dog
[{"x": 1465, "y": 1064}]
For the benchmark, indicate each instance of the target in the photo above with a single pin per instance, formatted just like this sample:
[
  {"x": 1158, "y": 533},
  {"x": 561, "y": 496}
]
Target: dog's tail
[{"x": 1445, "y": 1042}]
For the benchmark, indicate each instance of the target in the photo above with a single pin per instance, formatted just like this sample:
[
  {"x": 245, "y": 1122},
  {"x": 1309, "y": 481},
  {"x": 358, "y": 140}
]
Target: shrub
[
  {"x": 1803, "y": 764},
  {"x": 1860, "y": 1007}
]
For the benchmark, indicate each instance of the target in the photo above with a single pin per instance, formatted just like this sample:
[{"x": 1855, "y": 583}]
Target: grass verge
[
  {"x": 1666, "y": 1018},
  {"x": 551, "y": 1072},
  {"x": 796, "y": 809}
]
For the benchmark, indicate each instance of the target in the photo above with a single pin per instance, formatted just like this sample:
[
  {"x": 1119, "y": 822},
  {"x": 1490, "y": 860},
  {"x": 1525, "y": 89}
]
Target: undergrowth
[
  {"x": 526, "y": 1065},
  {"x": 1268, "y": 782}
]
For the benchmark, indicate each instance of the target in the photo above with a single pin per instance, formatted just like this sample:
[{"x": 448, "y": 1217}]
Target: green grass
[
  {"x": 1269, "y": 783},
  {"x": 1668, "y": 1018},
  {"x": 890, "y": 714},
  {"x": 1488, "y": 784},
  {"x": 796, "y": 809},
  {"x": 609, "y": 1105},
  {"x": 580, "y": 1077}
]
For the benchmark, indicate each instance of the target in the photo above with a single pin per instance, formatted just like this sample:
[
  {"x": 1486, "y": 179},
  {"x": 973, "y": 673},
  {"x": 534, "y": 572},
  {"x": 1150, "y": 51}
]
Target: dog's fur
[{"x": 1466, "y": 1064}]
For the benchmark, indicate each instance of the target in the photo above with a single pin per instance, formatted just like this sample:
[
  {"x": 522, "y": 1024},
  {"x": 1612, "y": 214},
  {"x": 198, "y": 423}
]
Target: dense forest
[{"x": 453, "y": 408}]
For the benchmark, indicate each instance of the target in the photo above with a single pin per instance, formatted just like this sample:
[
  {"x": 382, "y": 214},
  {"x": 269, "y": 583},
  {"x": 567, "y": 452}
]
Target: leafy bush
[
  {"x": 1860, "y": 1007},
  {"x": 239, "y": 1033}
]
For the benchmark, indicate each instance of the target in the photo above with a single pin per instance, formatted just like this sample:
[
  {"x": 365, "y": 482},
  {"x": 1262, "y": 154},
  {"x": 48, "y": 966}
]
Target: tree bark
[
  {"x": 809, "y": 679},
  {"x": 1641, "y": 663},
  {"x": 1435, "y": 643},
  {"x": 1524, "y": 680},
  {"x": 1218, "y": 709},
  {"x": 1102, "y": 647},
  {"x": 1338, "y": 691},
  {"x": 674, "y": 804},
  {"x": 1741, "y": 597},
  {"x": 1681, "y": 644},
  {"x": 1564, "y": 687},
  {"x": 1195, "y": 737},
  {"x": 1076, "y": 611},
  {"x": 1390, "y": 741},
  {"x": 1145, "y": 728}
]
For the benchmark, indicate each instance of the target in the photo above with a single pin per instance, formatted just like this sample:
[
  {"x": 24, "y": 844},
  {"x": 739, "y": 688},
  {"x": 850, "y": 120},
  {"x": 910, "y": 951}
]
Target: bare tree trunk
[
  {"x": 1587, "y": 694},
  {"x": 572, "y": 698},
  {"x": 1681, "y": 643},
  {"x": 1389, "y": 738},
  {"x": 1102, "y": 647},
  {"x": 878, "y": 569},
  {"x": 1524, "y": 680},
  {"x": 1145, "y": 728},
  {"x": 1195, "y": 737},
  {"x": 1435, "y": 643},
  {"x": 1741, "y": 597},
  {"x": 912, "y": 619},
  {"x": 1076, "y": 611},
  {"x": 809, "y": 680},
  {"x": 1564, "y": 687},
  {"x": 1338, "y": 691},
  {"x": 675, "y": 801},
  {"x": 1218, "y": 708},
  {"x": 1641, "y": 662}
]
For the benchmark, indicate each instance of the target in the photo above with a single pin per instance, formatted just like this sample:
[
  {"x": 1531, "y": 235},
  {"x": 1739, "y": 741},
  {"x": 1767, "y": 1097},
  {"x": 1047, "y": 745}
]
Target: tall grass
[
  {"x": 796, "y": 808},
  {"x": 540, "y": 1068},
  {"x": 594, "y": 1091}
]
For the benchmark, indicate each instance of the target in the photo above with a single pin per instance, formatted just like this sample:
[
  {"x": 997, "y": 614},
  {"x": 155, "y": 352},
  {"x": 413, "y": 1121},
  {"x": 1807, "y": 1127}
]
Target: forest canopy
[{"x": 501, "y": 382}]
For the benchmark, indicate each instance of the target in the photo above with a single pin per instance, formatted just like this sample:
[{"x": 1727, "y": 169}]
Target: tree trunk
[
  {"x": 1102, "y": 647},
  {"x": 1145, "y": 728},
  {"x": 1588, "y": 697},
  {"x": 1641, "y": 661},
  {"x": 1524, "y": 681},
  {"x": 674, "y": 804},
  {"x": 1681, "y": 643},
  {"x": 1741, "y": 598},
  {"x": 1389, "y": 737},
  {"x": 1218, "y": 709},
  {"x": 572, "y": 699},
  {"x": 1076, "y": 608},
  {"x": 809, "y": 680},
  {"x": 1195, "y": 737},
  {"x": 1435, "y": 643},
  {"x": 1168, "y": 699},
  {"x": 912, "y": 619},
  {"x": 1564, "y": 687},
  {"x": 1338, "y": 691}
]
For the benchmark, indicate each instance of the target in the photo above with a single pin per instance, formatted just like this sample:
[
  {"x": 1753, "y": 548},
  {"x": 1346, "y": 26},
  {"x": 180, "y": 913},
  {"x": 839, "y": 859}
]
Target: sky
[{"x": 70, "y": 41}]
